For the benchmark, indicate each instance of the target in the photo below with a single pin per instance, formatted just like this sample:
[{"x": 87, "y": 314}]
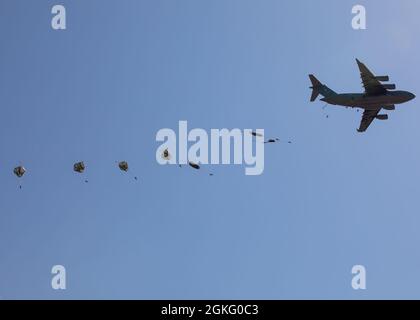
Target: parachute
[
  {"x": 79, "y": 167},
  {"x": 271, "y": 140},
  {"x": 166, "y": 155},
  {"x": 256, "y": 134},
  {"x": 19, "y": 171},
  {"x": 123, "y": 165},
  {"x": 276, "y": 140},
  {"x": 194, "y": 165}
]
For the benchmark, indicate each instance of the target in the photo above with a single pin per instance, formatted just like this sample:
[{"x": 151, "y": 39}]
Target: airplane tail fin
[
  {"x": 315, "y": 87},
  {"x": 319, "y": 88}
]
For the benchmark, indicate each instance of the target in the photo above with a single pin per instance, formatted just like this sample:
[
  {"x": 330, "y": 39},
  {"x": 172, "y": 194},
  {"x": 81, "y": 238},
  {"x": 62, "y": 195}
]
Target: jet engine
[
  {"x": 382, "y": 117},
  {"x": 382, "y": 78},
  {"x": 391, "y": 107},
  {"x": 389, "y": 86}
]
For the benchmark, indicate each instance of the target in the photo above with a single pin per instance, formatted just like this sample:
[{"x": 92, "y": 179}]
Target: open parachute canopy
[
  {"x": 79, "y": 167},
  {"x": 123, "y": 165},
  {"x": 19, "y": 171},
  {"x": 166, "y": 155}
]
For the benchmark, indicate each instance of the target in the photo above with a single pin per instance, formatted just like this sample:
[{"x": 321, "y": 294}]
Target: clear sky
[{"x": 100, "y": 90}]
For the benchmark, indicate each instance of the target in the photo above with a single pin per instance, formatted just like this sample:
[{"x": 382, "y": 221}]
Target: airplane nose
[{"x": 410, "y": 96}]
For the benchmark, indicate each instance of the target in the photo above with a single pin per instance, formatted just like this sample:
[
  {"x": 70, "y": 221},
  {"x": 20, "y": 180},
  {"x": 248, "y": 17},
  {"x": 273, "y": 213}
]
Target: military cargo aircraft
[{"x": 377, "y": 96}]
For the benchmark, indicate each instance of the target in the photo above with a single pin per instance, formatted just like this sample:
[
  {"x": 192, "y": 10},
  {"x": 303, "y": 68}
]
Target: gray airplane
[{"x": 377, "y": 96}]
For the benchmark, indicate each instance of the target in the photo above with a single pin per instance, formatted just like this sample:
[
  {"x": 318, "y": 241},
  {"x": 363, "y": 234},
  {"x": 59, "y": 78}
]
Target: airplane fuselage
[{"x": 364, "y": 101}]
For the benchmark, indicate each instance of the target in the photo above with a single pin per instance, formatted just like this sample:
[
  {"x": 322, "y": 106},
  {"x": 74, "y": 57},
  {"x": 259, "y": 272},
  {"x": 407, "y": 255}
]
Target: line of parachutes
[{"x": 79, "y": 167}]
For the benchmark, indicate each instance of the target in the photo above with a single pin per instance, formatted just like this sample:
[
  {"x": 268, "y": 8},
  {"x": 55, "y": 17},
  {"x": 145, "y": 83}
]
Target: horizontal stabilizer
[
  {"x": 382, "y": 117},
  {"x": 389, "y": 86},
  {"x": 382, "y": 78}
]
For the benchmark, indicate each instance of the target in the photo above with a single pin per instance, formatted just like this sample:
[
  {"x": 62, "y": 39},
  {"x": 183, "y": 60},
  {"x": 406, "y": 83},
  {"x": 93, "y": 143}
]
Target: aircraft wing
[
  {"x": 372, "y": 85},
  {"x": 367, "y": 118}
]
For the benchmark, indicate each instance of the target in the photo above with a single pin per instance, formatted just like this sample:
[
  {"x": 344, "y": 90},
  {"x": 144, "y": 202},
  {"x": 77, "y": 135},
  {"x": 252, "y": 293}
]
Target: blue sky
[{"x": 100, "y": 90}]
